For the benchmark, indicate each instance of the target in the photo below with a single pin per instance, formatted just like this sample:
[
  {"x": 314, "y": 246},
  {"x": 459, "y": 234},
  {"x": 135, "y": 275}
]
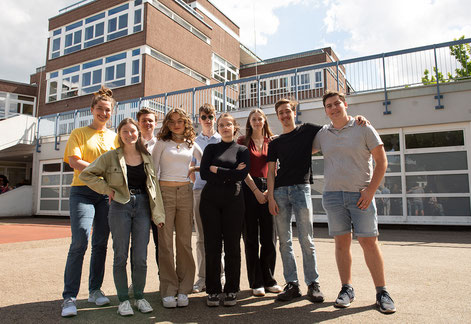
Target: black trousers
[
  {"x": 259, "y": 238},
  {"x": 222, "y": 214}
]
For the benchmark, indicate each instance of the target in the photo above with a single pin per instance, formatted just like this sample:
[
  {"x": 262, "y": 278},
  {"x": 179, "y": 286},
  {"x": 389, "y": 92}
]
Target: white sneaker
[
  {"x": 259, "y": 292},
  {"x": 182, "y": 300},
  {"x": 169, "y": 302},
  {"x": 274, "y": 289},
  {"x": 199, "y": 286},
  {"x": 143, "y": 306},
  {"x": 69, "y": 308},
  {"x": 125, "y": 309},
  {"x": 98, "y": 297}
]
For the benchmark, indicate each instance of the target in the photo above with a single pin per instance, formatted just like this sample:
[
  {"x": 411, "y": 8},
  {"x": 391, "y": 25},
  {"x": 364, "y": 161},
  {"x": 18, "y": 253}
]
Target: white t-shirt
[{"x": 172, "y": 160}]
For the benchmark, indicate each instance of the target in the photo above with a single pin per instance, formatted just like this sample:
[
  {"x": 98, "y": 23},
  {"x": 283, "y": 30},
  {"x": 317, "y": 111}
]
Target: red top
[{"x": 258, "y": 160}]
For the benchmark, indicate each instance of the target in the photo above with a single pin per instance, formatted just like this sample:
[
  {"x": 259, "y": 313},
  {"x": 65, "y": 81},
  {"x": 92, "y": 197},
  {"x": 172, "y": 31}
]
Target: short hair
[
  {"x": 282, "y": 101},
  {"x": 234, "y": 122},
  {"x": 329, "y": 94},
  {"x": 207, "y": 109},
  {"x": 104, "y": 94},
  {"x": 145, "y": 111}
]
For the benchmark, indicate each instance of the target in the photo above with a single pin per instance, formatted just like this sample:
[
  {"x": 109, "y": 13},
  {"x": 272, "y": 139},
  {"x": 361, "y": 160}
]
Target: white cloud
[
  {"x": 383, "y": 25},
  {"x": 23, "y": 40},
  {"x": 258, "y": 15}
]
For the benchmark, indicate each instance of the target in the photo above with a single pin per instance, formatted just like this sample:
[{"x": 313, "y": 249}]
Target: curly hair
[
  {"x": 189, "y": 133},
  {"x": 266, "y": 132}
]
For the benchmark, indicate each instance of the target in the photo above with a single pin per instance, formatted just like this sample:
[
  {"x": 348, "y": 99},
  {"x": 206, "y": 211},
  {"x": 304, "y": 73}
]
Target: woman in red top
[{"x": 258, "y": 220}]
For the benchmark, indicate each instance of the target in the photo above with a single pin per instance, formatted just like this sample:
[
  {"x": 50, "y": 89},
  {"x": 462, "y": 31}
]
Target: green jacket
[{"x": 109, "y": 172}]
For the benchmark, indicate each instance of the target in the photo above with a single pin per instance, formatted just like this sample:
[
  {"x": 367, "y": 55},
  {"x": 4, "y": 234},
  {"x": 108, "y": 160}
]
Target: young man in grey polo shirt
[{"x": 348, "y": 198}]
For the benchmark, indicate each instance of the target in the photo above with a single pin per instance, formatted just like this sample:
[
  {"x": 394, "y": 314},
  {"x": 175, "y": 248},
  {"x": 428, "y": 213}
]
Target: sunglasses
[{"x": 204, "y": 117}]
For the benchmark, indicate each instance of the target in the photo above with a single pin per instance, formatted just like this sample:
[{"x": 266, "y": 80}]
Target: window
[
  {"x": 55, "y": 179},
  {"x": 242, "y": 92},
  {"x": 223, "y": 71},
  {"x": 303, "y": 83},
  {"x": 436, "y": 139}
]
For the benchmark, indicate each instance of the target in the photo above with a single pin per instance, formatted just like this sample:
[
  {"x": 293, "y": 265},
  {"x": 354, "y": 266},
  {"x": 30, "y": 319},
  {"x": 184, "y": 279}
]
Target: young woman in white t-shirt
[{"x": 172, "y": 155}]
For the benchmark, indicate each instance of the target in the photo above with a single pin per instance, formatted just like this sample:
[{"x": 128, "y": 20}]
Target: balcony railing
[{"x": 375, "y": 73}]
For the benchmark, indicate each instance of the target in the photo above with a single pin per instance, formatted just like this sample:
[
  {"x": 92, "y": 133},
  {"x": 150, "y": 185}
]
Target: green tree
[{"x": 462, "y": 54}]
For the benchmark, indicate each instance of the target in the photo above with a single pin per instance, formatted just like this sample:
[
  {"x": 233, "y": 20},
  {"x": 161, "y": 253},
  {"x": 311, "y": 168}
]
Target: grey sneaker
[
  {"x": 199, "y": 286},
  {"x": 143, "y": 306},
  {"x": 125, "y": 309},
  {"x": 291, "y": 291},
  {"x": 345, "y": 297},
  {"x": 69, "y": 308},
  {"x": 385, "y": 302},
  {"x": 314, "y": 293},
  {"x": 98, "y": 297},
  {"x": 230, "y": 299}
]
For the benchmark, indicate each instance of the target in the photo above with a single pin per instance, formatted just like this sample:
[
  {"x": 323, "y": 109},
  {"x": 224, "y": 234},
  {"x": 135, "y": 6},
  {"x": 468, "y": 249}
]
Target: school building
[{"x": 173, "y": 53}]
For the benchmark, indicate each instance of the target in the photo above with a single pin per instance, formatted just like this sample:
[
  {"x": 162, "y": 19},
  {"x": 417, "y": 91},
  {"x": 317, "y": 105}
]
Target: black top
[
  {"x": 226, "y": 156},
  {"x": 293, "y": 153},
  {"x": 136, "y": 176}
]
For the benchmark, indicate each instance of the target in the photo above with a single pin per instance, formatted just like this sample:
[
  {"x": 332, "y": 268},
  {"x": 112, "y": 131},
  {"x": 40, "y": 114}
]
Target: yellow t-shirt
[{"x": 88, "y": 144}]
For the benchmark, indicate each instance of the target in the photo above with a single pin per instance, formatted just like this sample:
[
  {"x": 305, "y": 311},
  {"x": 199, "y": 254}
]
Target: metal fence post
[
  {"x": 56, "y": 135},
  {"x": 224, "y": 97},
  {"x": 438, "y": 96},
  {"x": 38, "y": 145},
  {"x": 386, "y": 101},
  {"x": 193, "y": 106},
  {"x": 165, "y": 104},
  {"x": 259, "y": 99},
  {"x": 338, "y": 85}
]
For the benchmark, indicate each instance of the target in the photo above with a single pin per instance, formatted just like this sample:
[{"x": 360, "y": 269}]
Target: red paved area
[{"x": 14, "y": 230}]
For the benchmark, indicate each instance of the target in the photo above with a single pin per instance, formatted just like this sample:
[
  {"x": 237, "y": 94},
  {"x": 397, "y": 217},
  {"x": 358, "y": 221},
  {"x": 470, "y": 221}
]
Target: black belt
[{"x": 136, "y": 191}]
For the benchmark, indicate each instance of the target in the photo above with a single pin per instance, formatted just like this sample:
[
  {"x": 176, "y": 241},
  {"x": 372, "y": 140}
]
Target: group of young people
[{"x": 227, "y": 187}]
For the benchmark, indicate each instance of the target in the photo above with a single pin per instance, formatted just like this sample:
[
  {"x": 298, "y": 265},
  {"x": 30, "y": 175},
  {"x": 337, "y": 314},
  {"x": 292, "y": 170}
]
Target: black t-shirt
[
  {"x": 293, "y": 153},
  {"x": 136, "y": 176},
  {"x": 226, "y": 156}
]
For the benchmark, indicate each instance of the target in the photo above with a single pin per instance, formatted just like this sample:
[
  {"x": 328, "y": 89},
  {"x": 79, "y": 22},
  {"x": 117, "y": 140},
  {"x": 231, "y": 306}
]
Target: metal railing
[{"x": 375, "y": 73}]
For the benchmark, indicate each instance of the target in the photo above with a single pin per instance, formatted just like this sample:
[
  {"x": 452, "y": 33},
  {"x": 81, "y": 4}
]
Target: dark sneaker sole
[
  {"x": 385, "y": 311},
  {"x": 316, "y": 299},
  {"x": 212, "y": 303}
]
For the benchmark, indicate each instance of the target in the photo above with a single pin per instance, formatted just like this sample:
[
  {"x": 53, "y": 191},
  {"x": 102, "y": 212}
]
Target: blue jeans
[
  {"x": 131, "y": 219},
  {"x": 342, "y": 211},
  {"x": 87, "y": 208},
  {"x": 296, "y": 199}
]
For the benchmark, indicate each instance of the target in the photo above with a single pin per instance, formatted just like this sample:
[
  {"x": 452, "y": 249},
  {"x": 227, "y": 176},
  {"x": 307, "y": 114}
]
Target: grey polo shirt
[
  {"x": 203, "y": 141},
  {"x": 348, "y": 164}
]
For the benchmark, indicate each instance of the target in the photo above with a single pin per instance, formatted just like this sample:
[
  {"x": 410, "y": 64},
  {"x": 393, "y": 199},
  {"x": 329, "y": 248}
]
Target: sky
[{"x": 270, "y": 28}]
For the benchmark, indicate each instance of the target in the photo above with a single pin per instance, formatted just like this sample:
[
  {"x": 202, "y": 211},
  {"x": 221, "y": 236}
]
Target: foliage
[{"x": 462, "y": 54}]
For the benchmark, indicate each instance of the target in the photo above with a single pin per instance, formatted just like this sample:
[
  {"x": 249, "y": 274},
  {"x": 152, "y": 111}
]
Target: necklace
[{"x": 178, "y": 137}]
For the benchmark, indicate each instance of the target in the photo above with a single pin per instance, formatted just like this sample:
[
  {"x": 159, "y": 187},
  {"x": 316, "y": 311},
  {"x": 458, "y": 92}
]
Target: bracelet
[{"x": 253, "y": 190}]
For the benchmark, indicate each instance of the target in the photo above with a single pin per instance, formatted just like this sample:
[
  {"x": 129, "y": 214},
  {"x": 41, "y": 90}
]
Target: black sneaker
[
  {"x": 314, "y": 293},
  {"x": 385, "y": 302},
  {"x": 345, "y": 297},
  {"x": 291, "y": 291},
  {"x": 230, "y": 299},
  {"x": 212, "y": 300}
]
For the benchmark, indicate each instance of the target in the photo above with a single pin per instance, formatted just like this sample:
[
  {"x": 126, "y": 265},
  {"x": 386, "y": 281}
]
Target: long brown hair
[
  {"x": 234, "y": 122},
  {"x": 189, "y": 133},
  {"x": 139, "y": 145},
  {"x": 104, "y": 94},
  {"x": 266, "y": 131}
]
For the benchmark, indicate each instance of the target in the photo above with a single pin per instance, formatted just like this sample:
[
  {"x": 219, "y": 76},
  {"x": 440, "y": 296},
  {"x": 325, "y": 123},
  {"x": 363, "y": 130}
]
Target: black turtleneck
[{"x": 226, "y": 156}]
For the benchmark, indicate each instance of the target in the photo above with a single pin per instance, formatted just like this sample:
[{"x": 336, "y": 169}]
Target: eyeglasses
[{"x": 210, "y": 117}]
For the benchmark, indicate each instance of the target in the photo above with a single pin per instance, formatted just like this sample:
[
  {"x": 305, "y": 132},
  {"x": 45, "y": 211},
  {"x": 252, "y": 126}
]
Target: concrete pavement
[{"x": 426, "y": 270}]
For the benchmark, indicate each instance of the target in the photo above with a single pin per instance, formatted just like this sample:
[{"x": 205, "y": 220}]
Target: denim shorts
[{"x": 343, "y": 212}]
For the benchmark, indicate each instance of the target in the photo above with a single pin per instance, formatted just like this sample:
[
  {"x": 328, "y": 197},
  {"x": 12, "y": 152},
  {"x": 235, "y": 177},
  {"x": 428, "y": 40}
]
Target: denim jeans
[
  {"x": 87, "y": 208},
  {"x": 296, "y": 199},
  {"x": 131, "y": 219}
]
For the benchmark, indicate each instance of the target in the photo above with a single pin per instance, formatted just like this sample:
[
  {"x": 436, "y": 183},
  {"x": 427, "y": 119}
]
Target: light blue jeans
[
  {"x": 130, "y": 220},
  {"x": 343, "y": 212},
  {"x": 296, "y": 199},
  {"x": 87, "y": 208}
]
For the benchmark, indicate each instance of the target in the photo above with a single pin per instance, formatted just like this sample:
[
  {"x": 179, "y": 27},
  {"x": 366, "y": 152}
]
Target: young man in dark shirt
[{"x": 291, "y": 192}]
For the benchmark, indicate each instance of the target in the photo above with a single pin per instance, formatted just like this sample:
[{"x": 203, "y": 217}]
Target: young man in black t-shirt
[{"x": 290, "y": 192}]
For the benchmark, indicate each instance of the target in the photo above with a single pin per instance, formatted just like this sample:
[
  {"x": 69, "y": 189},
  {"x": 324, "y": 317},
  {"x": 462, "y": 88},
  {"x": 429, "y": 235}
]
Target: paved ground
[{"x": 427, "y": 272}]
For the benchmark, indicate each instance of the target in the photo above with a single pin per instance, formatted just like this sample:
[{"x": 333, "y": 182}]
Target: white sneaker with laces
[
  {"x": 143, "y": 306},
  {"x": 274, "y": 289},
  {"x": 69, "y": 308},
  {"x": 182, "y": 300},
  {"x": 125, "y": 309},
  {"x": 169, "y": 302},
  {"x": 259, "y": 292},
  {"x": 98, "y": 297}
]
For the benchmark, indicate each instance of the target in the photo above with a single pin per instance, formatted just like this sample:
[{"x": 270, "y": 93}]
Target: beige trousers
[{"x": 177, "y": 270}]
